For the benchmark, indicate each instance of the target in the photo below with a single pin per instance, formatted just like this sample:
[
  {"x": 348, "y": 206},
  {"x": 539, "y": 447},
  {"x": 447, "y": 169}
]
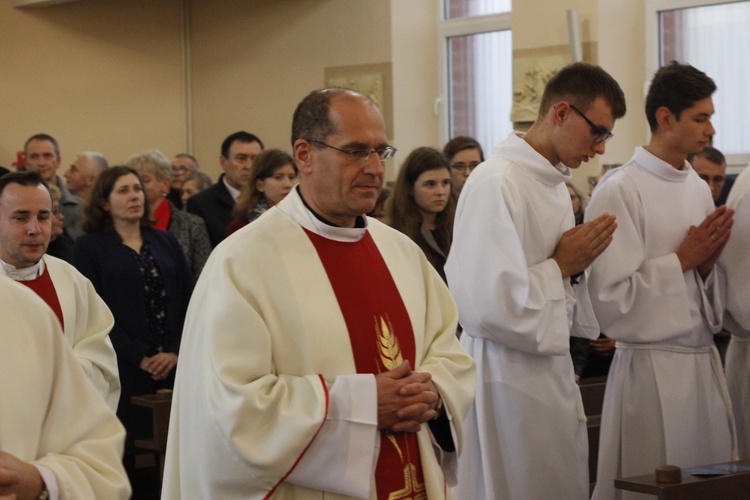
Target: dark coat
[
  {"x": 104, "y": 260},
  {"x": 214, "y": 205}
]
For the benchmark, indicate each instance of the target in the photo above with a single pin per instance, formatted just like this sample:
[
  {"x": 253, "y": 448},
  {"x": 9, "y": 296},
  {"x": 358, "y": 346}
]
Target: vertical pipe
[{"x": 574, "y": 36}]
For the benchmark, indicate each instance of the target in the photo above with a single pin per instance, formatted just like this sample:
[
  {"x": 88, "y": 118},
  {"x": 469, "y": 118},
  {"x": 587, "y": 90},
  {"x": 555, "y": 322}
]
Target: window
[
  {"x": 712, "y": 36},
  {"x": 475, "y": 61}
]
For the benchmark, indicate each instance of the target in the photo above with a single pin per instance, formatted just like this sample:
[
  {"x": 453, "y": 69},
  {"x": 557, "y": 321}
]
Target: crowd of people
[{"x": 323, "y": 333}]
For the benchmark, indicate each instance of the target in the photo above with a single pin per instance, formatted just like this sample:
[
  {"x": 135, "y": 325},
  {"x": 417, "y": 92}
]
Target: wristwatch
[{"x": 44, "y": 495}]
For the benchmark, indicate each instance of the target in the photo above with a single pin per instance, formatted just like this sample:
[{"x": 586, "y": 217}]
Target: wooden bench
[
  {"x": 592, "y": 394},
  {"x": 733, "y": 486},
  {"x": 161, "y": 406}
]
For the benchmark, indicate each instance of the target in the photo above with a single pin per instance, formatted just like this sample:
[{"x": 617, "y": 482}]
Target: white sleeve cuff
[
  {"x": 342, "y": 457},
  {"x": 50, "y": 481}
]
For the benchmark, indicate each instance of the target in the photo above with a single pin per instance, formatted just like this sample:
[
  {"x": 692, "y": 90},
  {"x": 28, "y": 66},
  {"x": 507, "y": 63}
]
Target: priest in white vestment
[
  {"x": 25, "y": 225},
  {"x": 657, "y": 292},
  {"x": 515, "y": 270},
  {"x": 734, "y": 260},
  {"x": 319, "y": 356},
  {"x": 58, "y": 439}
]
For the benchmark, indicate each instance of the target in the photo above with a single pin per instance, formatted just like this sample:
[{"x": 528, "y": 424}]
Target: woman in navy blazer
[{"x": 144, "y": 277}]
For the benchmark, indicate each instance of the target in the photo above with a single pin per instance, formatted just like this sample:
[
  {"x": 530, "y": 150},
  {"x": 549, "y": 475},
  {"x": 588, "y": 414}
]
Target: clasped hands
[
  {"x": 704, "y": 243},
  {"x": 159, "y": 365},
  {"x": 406, "y": 399}
]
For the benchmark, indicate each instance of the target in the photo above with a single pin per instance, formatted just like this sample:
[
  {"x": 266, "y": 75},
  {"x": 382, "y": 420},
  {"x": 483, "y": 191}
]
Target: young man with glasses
[
  {"x": 515, "y": 269},
  {"x": 657, "y": 292},
  {"x": 323, "y": 341}
]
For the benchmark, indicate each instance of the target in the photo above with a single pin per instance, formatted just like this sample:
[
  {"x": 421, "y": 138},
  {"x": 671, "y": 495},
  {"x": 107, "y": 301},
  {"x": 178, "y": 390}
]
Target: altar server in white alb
[
  {"x": 58, "y": 439},
  {"x": 736, "y": 264},
  {"x": 25, "y": 226},
  {"x": 657, "y": 292},
  {"x": 319, "y": 357},
  {"x": 515, "y": 269}
]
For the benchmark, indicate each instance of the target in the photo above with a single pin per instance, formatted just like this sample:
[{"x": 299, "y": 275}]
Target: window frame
[
  {"x": 735, "y": 162},
  {"x": 449, "y": 28}
]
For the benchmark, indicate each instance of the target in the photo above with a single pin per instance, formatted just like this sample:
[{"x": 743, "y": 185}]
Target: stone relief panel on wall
[{"x": 530, "y": 75}]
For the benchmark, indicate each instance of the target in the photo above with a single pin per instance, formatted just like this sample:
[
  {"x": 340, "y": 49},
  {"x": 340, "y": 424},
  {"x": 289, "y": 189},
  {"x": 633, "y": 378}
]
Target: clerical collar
[
  {"x": 23, "y": 274},
  {"x": 358, "y": 223}
]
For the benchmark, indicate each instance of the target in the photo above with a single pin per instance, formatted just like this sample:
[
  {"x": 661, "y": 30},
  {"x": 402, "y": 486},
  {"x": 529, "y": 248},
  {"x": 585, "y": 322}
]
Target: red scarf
[{"x": 163, "y": 214}]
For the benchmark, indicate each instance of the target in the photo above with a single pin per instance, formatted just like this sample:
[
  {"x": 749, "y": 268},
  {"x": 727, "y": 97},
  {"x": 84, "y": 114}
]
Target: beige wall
[
  {"x": 108, "y": 75},
  {"x": 251, "y": 66},
  {"x": 96, "y": 75},
  {"x": 415, "y": 75},
  {"x": 622, "y": 52}
]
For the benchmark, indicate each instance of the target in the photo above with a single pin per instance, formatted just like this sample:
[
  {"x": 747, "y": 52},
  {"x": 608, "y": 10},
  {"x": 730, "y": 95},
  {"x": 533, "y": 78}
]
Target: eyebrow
[{"x": 28, "y": 212}]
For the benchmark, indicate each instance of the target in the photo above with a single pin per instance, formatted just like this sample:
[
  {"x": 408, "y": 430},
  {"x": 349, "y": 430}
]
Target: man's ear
[
  {"x": 223, "y": 162},
  {"x": 303, "y": 155},
  {"x": 559, "y": 112},
  {"x": 664, "y": 118}
]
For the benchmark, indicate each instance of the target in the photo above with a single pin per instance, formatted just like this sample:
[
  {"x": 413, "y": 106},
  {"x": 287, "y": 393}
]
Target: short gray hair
[{"x": 153, "y": 161}]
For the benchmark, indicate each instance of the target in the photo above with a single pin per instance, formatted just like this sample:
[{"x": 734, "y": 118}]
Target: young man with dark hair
[
  {"x": 515, "y": 269},
  {"x": 657, "y": 292}
]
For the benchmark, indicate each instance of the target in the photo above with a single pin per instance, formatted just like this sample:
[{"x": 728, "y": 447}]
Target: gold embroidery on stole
[{"x": 390, "y": 356}]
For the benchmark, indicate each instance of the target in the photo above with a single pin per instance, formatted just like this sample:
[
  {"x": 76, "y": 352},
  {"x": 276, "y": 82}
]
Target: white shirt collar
[
  {"x": 23, "y": 274},
  {"x": 234, "y": 192}
]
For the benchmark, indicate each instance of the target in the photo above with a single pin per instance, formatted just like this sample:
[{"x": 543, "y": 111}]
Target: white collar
[
  {"x": 293, "y": 206},
  {"x": 23, "y": 274}
]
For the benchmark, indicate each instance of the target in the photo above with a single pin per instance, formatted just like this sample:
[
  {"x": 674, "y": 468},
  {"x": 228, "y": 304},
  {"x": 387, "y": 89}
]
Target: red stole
[
  {"x": 382, "y": 338},
  {"x": 162, "y": 214},
  {"x": 44, "y": 287}
]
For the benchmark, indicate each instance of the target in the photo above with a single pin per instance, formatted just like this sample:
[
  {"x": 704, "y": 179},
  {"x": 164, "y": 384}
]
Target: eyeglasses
[
  {"x": 361, "y": 155},
  {"x": 601, "y": 134},
  {"x": 464, "y": 167},
  {"x": 182, "y": 170}
]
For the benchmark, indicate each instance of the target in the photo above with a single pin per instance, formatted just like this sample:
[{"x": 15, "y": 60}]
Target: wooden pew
[
  {"x": 592, "y": 394},
  {"x": 161, "y": 406},
  {"x": 732, "y": 486}
]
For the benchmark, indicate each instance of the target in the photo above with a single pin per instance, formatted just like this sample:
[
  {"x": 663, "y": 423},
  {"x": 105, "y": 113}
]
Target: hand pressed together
[
  {"x": 704, "y": 243},
  {"x": 406, "y": 399},
  {"x": 580, "y": 245}
]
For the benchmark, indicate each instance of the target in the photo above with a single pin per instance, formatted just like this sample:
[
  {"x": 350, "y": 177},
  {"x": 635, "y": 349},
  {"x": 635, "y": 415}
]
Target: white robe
[
  {"x": 525, "y": 437},
  {"x": 665, "y": 401},
  {"x": 87, "y": 323},
  {"x": 52, "y": 416},
  {"x": 266, "y": 363},
  {"x": 734, "y": 259}
]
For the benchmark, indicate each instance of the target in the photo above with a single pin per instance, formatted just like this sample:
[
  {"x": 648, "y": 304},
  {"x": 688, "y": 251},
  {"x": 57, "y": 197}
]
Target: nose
[
  {"x": 374, "y": 166},
  {"x": 33, "y": 226},
  {"x": 600, "y": 147},
  {"x": 712, "y": 131}
]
